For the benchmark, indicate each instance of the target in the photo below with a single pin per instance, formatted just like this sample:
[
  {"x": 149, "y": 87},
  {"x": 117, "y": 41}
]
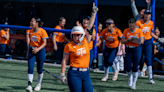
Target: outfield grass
[{"x": 13, "y": 78}]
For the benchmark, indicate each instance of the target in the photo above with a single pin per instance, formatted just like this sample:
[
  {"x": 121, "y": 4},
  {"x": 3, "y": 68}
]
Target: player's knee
[
  {"x": 40, "y": 71},
  {"x": 30, "y": 71}
]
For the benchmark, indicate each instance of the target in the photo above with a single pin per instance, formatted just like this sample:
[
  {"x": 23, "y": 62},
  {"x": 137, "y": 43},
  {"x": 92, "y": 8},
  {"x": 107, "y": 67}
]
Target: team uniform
[
  {"x": 133, "y": 55},
  {"x": 60, "y": 43},
  {"x": 111, "y": 47},
  {"x": 147, "y": 46},
  {"x": 78, "y": 74},
  {"x": 3, "y": 42},
  {"x": 36, "y": 40}
]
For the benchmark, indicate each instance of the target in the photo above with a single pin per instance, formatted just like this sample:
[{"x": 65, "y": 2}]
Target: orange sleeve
[
  {"x": 137, "y": 23},
  {"x": 3, "y": 33},
  {"x": 119, "y": 33},
  {"x": 27, "y": 31},
  {"x": 44, "y": 34},
  {"x": 57, "y": 27},
  {"x": 102, "y": 34},
  {"x": 66, "y": 49},
  {"x": 124, "y": 34}
]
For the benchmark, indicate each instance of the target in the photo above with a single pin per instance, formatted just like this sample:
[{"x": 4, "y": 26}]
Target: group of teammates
[{"x": 79, "y": 50}]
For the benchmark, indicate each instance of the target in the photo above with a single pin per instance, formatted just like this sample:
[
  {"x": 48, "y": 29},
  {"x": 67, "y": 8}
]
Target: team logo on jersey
[
  {"x": 145, "y": 29},
  {"x": 128, "y": 33},
  {"x": 106, "y": 34},
  {"x": 110, "y": 39},
  {"x": 81, "y": 52},
  {"x": 34, "y": 38},
  {"x": 38, "y": 34}
]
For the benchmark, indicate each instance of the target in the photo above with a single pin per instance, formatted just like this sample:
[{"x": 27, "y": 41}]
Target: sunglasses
[{"x": 77, "y": 34}]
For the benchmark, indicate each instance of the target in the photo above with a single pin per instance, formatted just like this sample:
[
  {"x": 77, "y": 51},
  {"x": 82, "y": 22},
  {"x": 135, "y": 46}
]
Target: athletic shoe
[
  {"x": 29, "y": 88},
  {"x": 133, "y": 87},
  {"x": 151, "y": 81},
  {"x": 38, "y": 87},
  {"x": 104, "y": 78},
  {"x": 115, "y": 76}
]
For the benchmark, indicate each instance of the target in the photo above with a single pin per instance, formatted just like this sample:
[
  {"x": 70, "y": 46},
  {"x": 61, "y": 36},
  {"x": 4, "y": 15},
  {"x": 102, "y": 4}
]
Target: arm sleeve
[
  {"x": 149, "y": 7},
  {"x": 135, "y": 11},
  {"x": 44, "y": 34},
  {"x": 124, "y": 34},
  {"x": 66, "y": 50},
  {"x": 3, "y": 33}
]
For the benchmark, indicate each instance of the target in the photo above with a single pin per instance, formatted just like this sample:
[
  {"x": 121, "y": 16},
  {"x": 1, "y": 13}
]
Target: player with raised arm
[
  {"x": 78, "y": 52},
  {"x": 138, "y": 15},
  {"x": 147, "y": 26}
]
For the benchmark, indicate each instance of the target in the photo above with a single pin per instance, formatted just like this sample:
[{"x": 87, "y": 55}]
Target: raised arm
[
  {"x": 134, "y": 10},
  {"x": 91, "y": 23},
  {"x": 148, "y": 5}
]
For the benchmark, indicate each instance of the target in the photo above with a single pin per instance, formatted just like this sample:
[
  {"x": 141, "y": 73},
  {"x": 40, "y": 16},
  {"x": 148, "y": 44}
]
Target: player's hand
[
  {"x": 7, "y": 29},
  {"x": 63, "y": 78},
  {"x": 55, "y": 48},
  {"x": 161, "y": 40},
  {"x": 148, "y": 1},
  {"x": 78, "y": 23},
  {"x": 132, "y": 0},
  {"x": 130, "y": 39},
  {"x": 94, "y": 9},
  {"x": 96, "y": 45},
  {"x": 35, "y": 50}
]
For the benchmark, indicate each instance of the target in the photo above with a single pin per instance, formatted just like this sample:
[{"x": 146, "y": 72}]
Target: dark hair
[
  {"x": 99, "y": 23},
  {"x": 61, "y": 18},
  {"x": 37, "y": 19},
  {"x": 132, "y": 20}
]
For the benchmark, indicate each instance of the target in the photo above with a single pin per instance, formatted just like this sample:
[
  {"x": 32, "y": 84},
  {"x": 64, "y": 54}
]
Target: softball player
[
  {"x": 133, "y": 51},
  {"x": 4, "y": 40},
  {"x": 38, "y": 40},
  {"x": 110, "y": 35},
  {"x": 147, "y": 26},
  {"x": 58, "y": 40},
  {"x": 85, "y": 25},
  {"x": 78, "y": 51}
]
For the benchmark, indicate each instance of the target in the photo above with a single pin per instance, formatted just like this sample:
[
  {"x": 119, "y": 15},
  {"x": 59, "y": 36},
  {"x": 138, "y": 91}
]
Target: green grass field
[{"x": 13, "y": 78}]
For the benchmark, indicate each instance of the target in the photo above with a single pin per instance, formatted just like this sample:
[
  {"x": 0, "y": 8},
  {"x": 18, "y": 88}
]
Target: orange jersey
[
  {"x": 127, "y": 34},
  {"x": 59, "y": 35},
  {"x": 36, "y": 38},
  {"x": 79, "y": 55},
  {"x": 27, "y": 31},
  {"x": 111, "y": 38},
  {"x": 146, "y": 28},
  {"x": 2, "y": 35}
]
